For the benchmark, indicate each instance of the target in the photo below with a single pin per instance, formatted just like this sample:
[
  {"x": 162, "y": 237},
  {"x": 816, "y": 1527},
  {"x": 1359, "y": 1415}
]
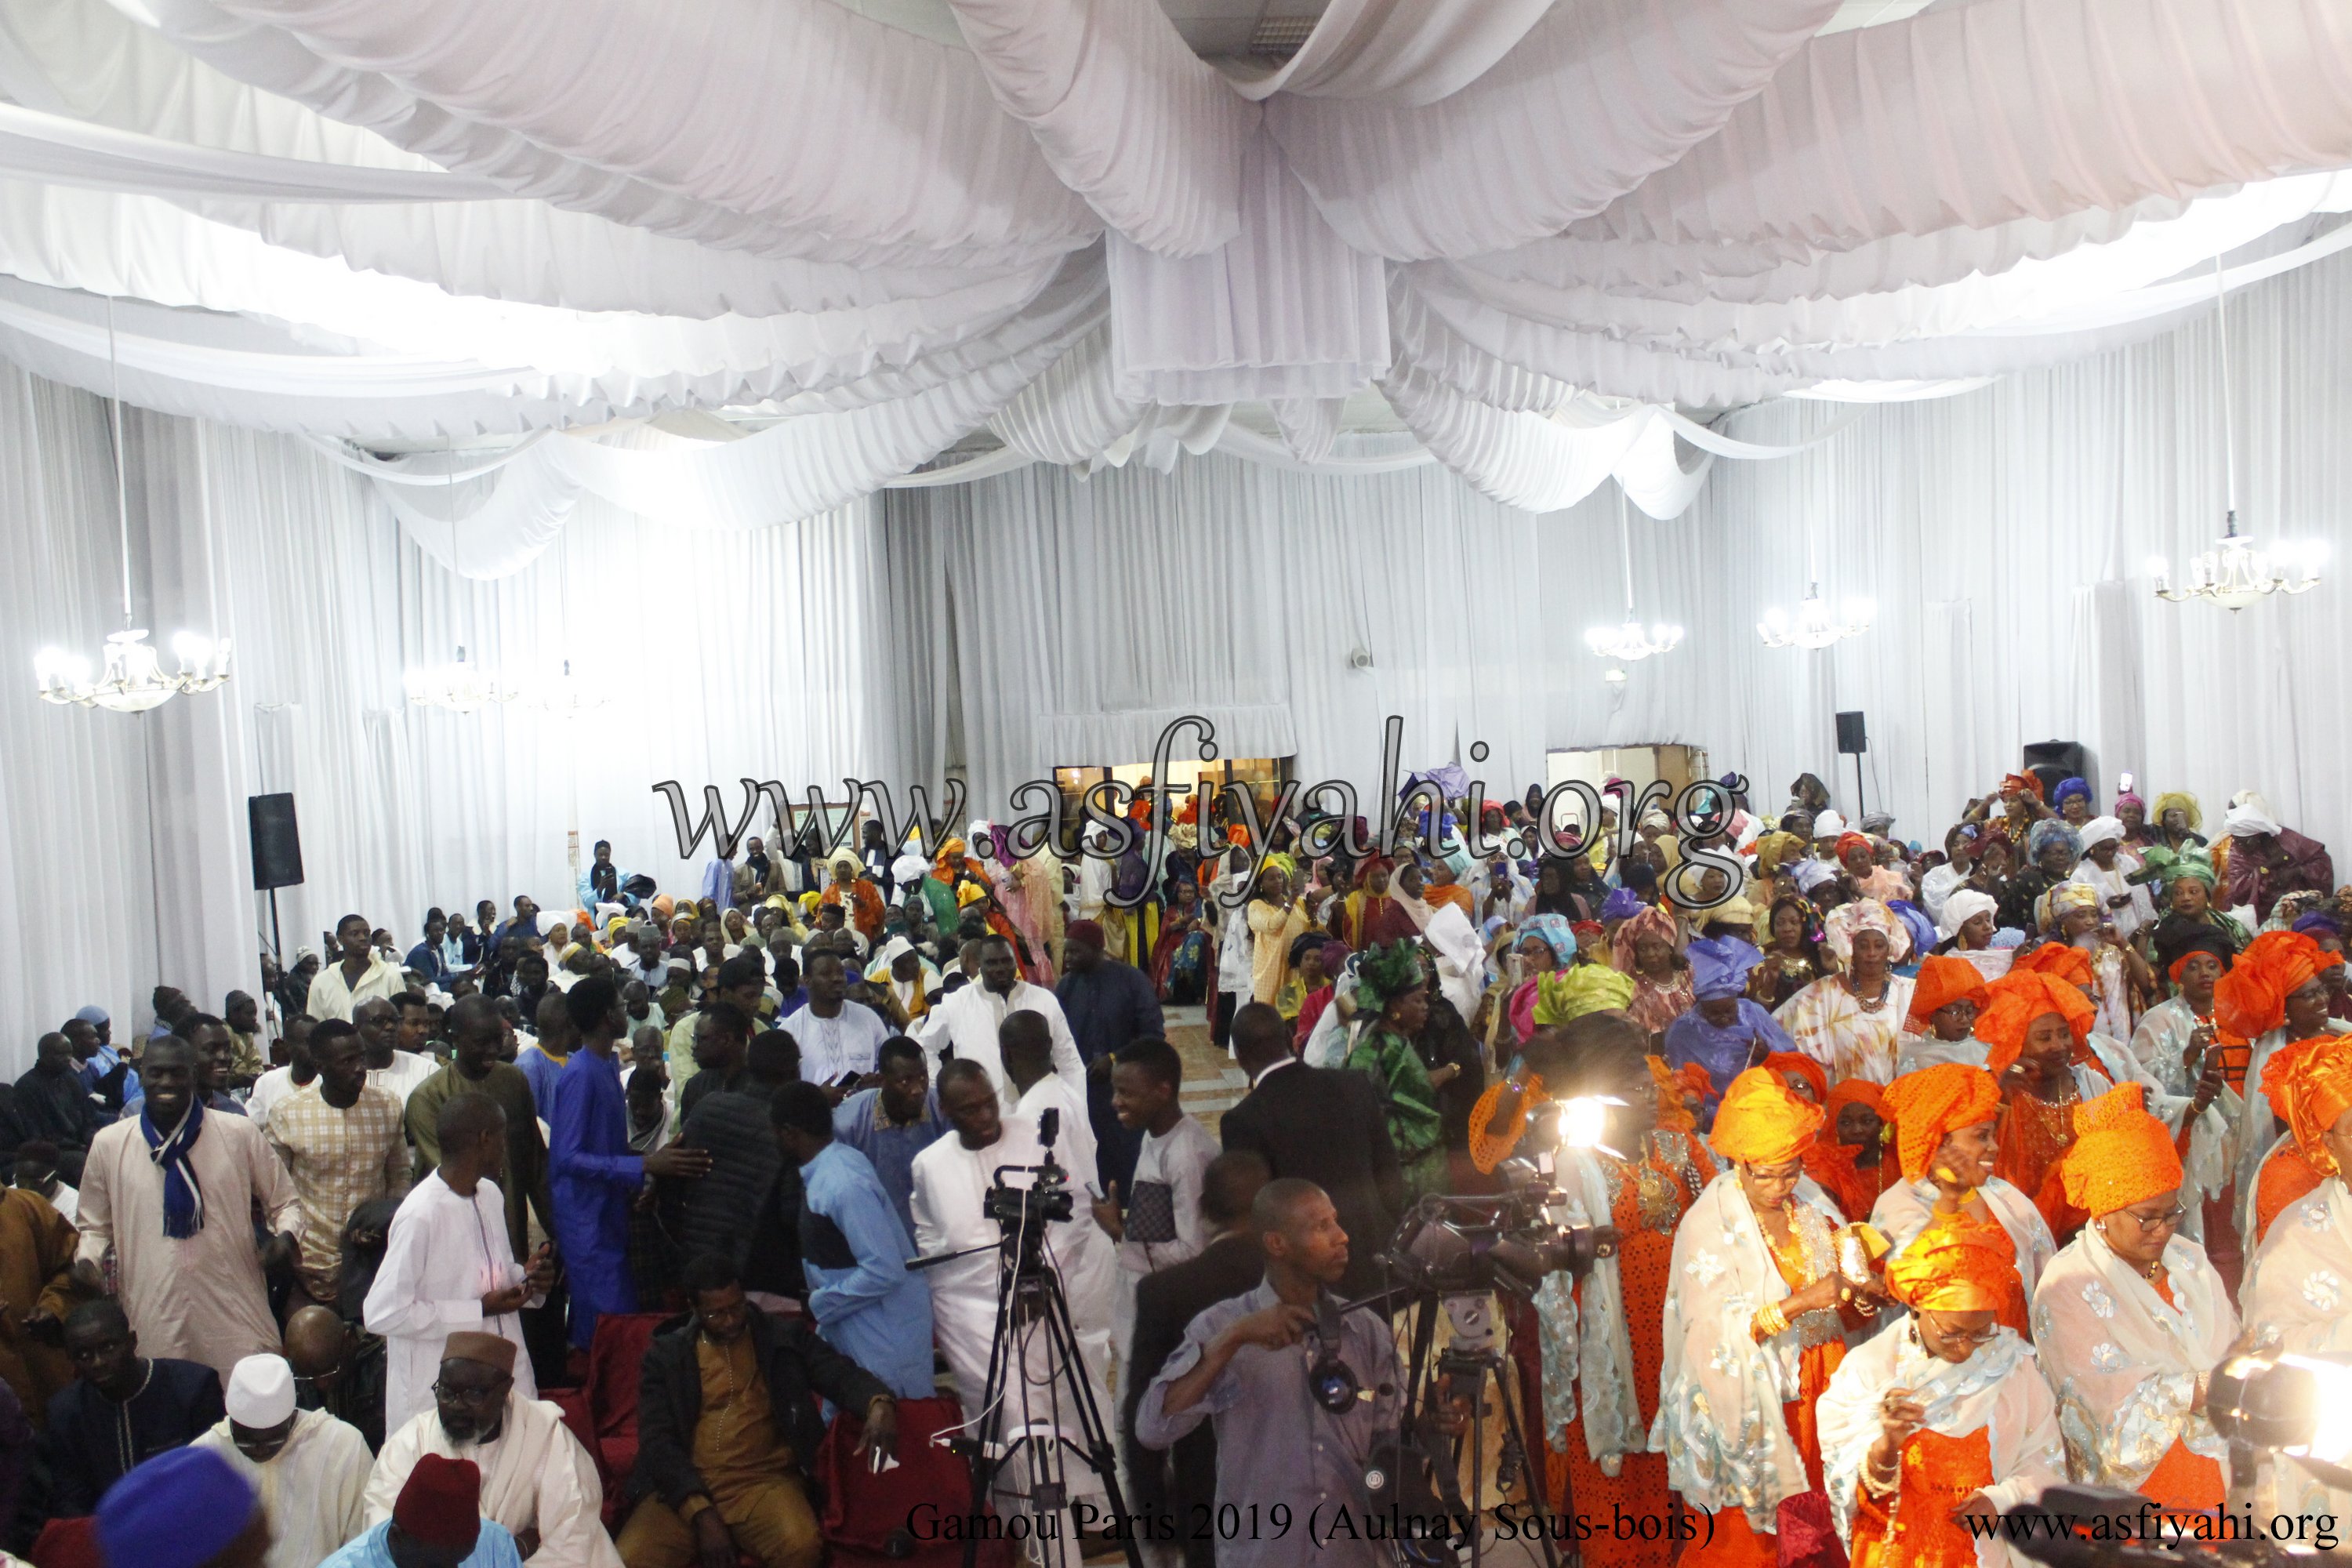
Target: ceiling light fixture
[
  {"x": 1814, "y": 626},
  {"x": 461, "y": 687},
  {"x": 2236, "y": 572},
  {"x": 134, "y": 680},
  {"x": 1629, "y": 642}
]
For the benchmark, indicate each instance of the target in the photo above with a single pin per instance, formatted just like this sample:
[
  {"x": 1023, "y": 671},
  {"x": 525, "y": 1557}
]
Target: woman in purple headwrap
[
  {"x": 2072, "y": 801},
  {"x": 2132, "y": 812},
  {"x": 1725, "y": 1033}
]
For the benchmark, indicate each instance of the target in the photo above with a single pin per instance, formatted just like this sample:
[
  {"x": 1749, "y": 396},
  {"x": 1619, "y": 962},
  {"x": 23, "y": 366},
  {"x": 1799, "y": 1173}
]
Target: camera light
[
  {"x": 1584, "y": 1120},
  {"x": 2299, "y": 1405},
  {"x": 2331, "y": 1410}
]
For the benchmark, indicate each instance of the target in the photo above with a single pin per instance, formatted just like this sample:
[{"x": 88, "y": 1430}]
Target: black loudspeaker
[
  {"x": 1851, "y": 739},
  {"x": 2055, "y": 762},
  {"x": 276, "y": 841}
]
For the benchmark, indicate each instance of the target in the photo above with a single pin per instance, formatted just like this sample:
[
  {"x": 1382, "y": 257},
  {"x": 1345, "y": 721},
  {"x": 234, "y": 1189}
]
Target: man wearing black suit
[
  {"x": 1166, "y": 1302},
  {"x": 1325, "y": 1126}
]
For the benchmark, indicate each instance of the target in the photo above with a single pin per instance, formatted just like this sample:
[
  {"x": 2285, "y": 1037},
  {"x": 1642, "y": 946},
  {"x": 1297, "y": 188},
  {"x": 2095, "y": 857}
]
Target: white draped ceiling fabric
[
  {"x": 1551, "y": 237},
  {"x": 534, "y": 325}
]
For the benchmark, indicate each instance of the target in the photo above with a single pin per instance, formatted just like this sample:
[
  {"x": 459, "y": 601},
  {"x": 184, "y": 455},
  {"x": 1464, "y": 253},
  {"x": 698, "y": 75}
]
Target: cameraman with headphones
[{"x": 1290, "y": 1474}]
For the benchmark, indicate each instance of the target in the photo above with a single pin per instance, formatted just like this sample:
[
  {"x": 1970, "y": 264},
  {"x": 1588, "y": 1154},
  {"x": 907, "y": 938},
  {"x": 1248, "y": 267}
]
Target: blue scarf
[{"x": 184, "y": 1199}]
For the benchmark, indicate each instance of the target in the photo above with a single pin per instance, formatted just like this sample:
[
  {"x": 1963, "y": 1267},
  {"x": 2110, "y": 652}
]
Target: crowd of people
[{"x": 2070, "y": 1082}]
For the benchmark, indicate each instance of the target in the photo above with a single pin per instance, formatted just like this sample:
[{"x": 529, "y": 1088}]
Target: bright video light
[{"x": 1584, "y": 1120}]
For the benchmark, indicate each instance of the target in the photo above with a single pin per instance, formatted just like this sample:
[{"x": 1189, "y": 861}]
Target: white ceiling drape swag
[{"x": 431, "y": 218}]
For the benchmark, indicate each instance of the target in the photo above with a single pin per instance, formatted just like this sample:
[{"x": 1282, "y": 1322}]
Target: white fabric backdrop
[{"x": 2004, "y": 535}]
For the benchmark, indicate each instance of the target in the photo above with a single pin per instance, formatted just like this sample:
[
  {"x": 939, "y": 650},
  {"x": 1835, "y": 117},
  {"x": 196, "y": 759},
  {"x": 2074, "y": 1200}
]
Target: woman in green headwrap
[
  {"x": 1391, "y": 1005},
  {"x": 2188, "y": 879}
]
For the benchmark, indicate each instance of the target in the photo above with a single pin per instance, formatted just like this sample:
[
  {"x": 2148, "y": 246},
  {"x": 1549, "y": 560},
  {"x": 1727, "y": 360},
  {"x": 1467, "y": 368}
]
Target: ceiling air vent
[{"x": 1279, "y": 38}]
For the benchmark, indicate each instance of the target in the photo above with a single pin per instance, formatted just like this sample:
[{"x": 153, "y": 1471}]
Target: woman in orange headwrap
[
  {"x": 2276, "y": 991},
  {"x": 1805, "y": 1077},
  {"x": 1592, "y": 1368},
  {"x": 2298, "y": 1082},
  {"x": 2036, "y": 1024},
  {"x": 2300, "y": 1286},
  {"x": 1945, "y": 997},
  {"x": 1943, "y": 1419},
  {"x": 1851, "y": 1160},
  {"x": 1758, "y": 1310},
  {"x": 2285, "y": 1176},
  {"x": 2131, "y": 1317},
  {"x": 1945, "y": 1119}
]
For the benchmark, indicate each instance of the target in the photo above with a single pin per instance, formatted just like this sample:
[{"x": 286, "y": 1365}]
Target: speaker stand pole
[
  {"x": 277, "y": 943},
  {"x": 1861, "y": 803}
]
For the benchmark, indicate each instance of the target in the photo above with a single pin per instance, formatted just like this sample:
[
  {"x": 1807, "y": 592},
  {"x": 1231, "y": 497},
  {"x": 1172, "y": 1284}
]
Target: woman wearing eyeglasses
[
  {"x": 1756, "y": 1321},
  {"x": 2130, "y": 1318},
  {"x": 1943, "y": 1419}
]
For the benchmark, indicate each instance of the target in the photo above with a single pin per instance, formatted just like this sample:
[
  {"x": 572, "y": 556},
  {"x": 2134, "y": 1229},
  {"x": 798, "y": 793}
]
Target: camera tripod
[
  {"x": 1467, "y": 1366},
  {"x": 1029, "y": 1299}
]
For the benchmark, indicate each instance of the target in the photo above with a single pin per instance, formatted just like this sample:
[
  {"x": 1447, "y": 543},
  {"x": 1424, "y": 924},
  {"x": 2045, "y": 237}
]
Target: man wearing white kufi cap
[{"x": 309, "y": 1469}]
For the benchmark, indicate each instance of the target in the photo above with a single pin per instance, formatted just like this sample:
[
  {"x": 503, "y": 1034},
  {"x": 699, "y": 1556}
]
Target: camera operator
[
  {"x": 1245, "y": 1363},
  {"x": 952, "y": 1180}
]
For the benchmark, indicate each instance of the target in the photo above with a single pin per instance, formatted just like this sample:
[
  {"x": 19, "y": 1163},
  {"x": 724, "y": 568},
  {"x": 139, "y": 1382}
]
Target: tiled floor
[{"x": 1211, "y": 1081}]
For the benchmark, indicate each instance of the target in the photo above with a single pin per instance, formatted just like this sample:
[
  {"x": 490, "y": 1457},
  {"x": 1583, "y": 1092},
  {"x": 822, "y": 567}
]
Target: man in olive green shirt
[{"x": 476, "y": 1035}]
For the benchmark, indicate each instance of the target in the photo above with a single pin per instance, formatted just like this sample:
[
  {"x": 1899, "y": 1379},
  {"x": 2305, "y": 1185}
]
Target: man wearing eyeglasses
[{"x": 537, "y": 1480}]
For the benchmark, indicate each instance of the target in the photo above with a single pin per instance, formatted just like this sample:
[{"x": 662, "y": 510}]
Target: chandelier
[
  {"x": 1814, "y": 626},
  {"x": 568, "y": 696},
  {"x": 461, "y": 687},
  {"x": 1629, "y": 641},
  {"x": 2236, "y": 572},
  {"x": 134, "y": 680}
]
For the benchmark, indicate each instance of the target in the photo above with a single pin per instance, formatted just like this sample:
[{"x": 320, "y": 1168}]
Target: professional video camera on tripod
[
  {"x": 1451, "y": 1255},
  {"x": 1035, "y": 1357}
]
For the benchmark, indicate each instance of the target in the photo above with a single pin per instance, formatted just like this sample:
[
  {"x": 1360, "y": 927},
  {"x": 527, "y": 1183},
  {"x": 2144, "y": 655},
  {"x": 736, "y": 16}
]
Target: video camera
[
  {"x": 1452, "y": 1244},
  {"x": 1024, "y": 1212}
]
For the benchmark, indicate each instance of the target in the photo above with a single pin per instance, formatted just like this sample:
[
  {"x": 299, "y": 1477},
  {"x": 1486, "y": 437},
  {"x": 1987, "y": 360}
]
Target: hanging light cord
[
  {"x": 1625, "y": 549},
  {"x": 122, "y": 482},
  {"x": 2229, "y": 433}
]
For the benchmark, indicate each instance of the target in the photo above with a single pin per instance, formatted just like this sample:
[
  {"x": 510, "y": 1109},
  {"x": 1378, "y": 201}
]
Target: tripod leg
[
  {"x": 983, "y": 1433},
  {"x": 1100, "y": 1454},
  {"x": 1506, "y": 1376}
]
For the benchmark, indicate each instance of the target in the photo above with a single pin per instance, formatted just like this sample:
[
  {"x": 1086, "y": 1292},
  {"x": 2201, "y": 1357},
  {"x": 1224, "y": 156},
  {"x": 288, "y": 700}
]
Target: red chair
[
  {"x": 867, "y": 1512},
  {"x": 67, "y": 1544},
  {"x": 615, "y": 1359}
]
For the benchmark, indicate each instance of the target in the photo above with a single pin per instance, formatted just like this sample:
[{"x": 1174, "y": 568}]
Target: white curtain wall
[
  {"x": 1036, "y": 619},
  {"x": 2005, "y": 534}
]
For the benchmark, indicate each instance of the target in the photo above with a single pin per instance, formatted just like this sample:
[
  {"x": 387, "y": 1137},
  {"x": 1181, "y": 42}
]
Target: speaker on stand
[
  {"x": 1853, "y": 739},
  {"x": 277, "y": 853}
]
